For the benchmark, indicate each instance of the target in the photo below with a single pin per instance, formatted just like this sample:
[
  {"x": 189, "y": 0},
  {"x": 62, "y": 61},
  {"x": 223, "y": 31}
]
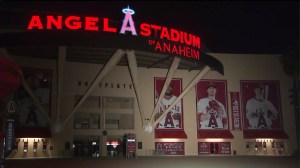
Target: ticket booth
[
  {"x": 25, "y": 146},
  {"x": 35, "y": 145},
  {"x": 44, "y": 145}
]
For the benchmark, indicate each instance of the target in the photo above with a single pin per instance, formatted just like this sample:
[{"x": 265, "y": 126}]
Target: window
[
  {"x": 88, "y": 115},
  {"x": 87, "y": 121},
  {"x": 118, "y": 112},
  {"x": 90, "y": 102}
]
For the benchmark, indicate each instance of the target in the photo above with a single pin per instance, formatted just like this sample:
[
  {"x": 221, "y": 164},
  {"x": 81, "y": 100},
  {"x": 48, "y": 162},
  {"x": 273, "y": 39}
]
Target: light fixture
[{"x": 255, "y": 146}]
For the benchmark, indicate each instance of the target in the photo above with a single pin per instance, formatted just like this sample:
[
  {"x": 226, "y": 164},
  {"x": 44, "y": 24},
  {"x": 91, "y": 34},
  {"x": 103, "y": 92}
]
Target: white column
[
  {"x": 168, "y": 80},
  {"x": 132, "y": 64},
  {"x": 62, "y": 53}
]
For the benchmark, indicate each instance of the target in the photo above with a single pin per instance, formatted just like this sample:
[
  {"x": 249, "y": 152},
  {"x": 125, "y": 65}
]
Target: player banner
[
  {"x": 212, "y": 114},
  {"x": 261, "y": 109},
  {"x": 261, "y": 105},
  {"x": 235, "y": 110},
  {"x": 170, "y": 126},
  {"x": 39, "y": 81}
]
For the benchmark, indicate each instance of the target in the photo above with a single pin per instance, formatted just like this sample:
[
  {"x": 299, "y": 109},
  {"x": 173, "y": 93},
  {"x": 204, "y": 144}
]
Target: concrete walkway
[{"x": 159, "y": 162}]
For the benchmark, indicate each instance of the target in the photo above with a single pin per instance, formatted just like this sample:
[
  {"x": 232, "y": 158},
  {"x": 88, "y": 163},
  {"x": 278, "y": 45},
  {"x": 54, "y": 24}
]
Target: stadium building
[{"x": 91, "y": 86}]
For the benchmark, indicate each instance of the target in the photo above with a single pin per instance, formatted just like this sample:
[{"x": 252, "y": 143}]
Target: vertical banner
[
  {"x": 211, "y": 109},
  {"x": 131, "y": 143},
  {"x": 39, "y": 80},
  {"x": 261, "y": 109},
  {"x": 131, "y": 147},
  {"x": 235, "y": 109},
  {"x": 10, "y": 136},
  {"x": 261, "y": 105},
  {"x": 173, "y": 120},
  {"x": 212, "y": 105},
  {"x": 170, "y": 126}
]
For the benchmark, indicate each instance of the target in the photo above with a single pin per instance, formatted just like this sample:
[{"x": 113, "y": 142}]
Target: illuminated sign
[
  {"x": 159, "y": 38},
  {"x": 10, "y": 136},
  {"x": 170, "y": 148}
]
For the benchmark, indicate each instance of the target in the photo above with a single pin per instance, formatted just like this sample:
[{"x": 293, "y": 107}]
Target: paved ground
[{"x": 160, "y": 162}]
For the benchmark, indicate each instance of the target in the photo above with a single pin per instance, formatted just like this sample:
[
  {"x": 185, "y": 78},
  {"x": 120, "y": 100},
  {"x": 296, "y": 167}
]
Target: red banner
[
  {"x": 261, "y": 108},
  {"x": 261, "y": 105},
  {"x": 29, "y": 115},
  {"x": 235, "y": 109},
  {"x": 131, "y": 147},
  {"x": 170, "y": 148},
  {"x": 131, "y": 143},
  {"x": 212, "y": 114},
  {"x": 170, "y": 126}
]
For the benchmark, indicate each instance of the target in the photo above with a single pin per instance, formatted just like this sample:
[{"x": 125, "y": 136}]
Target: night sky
[{"x": 269, "y": 27}]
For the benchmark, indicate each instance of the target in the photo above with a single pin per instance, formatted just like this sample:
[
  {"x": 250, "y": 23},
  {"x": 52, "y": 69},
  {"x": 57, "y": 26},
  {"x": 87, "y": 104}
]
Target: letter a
[
  {"x": 261, "y": 121},
  {"x": 35, "y": 22},
  {"x": 212, "y": 121},
  {"x": 169, "y": 120},
  {"x": 128, "y": 21},
  {"x": 31, "y": 117}
]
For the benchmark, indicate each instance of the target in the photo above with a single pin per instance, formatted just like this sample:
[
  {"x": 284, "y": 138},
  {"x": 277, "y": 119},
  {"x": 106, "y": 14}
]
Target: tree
[{"x": 290, "y": 63}]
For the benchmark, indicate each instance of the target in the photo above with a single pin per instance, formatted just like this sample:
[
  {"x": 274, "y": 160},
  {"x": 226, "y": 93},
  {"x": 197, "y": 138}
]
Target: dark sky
[{"x": 268, "y": 27}]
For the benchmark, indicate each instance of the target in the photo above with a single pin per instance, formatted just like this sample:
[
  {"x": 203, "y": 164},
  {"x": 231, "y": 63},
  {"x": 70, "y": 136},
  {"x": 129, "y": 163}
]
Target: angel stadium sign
[{"x": 148, "y": 36}]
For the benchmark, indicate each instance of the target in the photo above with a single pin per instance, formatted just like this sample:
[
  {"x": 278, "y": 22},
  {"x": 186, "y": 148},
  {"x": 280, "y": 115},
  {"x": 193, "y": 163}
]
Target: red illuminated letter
[
  {"x": 72, "y": 22},
  {"x": 145, "y": 29},
  {"x": 175, "y": 35},
  {"x": 155, "y": 28},
  {"x": 107, "y": 28},
  {"x": 91, "y": 23},
  {"x": 196, "y": 41},
  {"x": 164, "y": 33},
  {"x": 35, "y": 22},
  {"x": 56, "y": 22}
]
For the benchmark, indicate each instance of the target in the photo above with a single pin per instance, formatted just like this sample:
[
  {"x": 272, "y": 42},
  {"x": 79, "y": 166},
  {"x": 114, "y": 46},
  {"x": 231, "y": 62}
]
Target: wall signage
[
  {"x": 159, "y": 38},
  {"x": 170, "y": 148},
  {"x": 235, "y": 110}
]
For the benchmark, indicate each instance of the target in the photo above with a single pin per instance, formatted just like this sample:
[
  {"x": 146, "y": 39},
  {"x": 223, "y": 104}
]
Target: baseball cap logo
[{"x": 211, "y": 84}]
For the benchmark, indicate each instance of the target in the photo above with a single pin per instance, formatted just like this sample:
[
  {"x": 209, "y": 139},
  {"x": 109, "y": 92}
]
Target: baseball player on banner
[
  {"x": 173, "y": 119},
  {"x": 259, "y": 110},
  {"x": 211, "y": 112}
]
